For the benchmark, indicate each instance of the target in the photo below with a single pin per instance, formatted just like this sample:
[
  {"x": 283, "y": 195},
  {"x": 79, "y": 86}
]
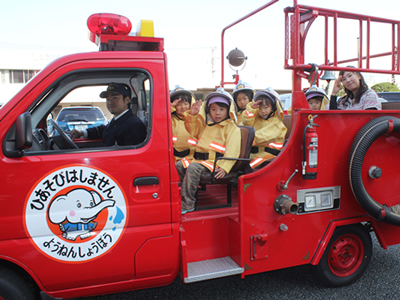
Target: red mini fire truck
[{"x": 81, "y": 219}]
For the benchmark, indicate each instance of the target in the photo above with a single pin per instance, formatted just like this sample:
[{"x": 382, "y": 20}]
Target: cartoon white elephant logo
[{"x": 75, "y": 211}]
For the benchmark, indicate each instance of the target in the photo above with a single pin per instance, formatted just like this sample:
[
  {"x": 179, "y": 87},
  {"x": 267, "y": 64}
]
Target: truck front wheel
[
  {"x": 13, "y": 286},
  {"x": 346, "y": 257}
]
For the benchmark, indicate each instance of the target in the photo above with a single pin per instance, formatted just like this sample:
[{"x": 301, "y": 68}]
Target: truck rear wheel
[
  {"x": 346, "y": 257},
  {"x": 13, "y": 286}
]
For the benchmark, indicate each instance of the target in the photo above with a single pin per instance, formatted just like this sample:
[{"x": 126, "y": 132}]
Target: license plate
[{"x": 80, "y": 127}]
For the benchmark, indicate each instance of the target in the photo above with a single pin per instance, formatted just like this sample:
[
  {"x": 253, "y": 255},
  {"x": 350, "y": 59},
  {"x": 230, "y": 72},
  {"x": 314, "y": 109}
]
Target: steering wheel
[{"x": 64, "y": 136}]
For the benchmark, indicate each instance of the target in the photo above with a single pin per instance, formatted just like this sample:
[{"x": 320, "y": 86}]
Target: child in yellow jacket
[
  {"x": 242, "y": 95},
  {"x": 317, "y": 99},
  {"x": 184, "y": 143},
  {"x": 266, "y": 116},
  {"x": 214, "y": 125}
]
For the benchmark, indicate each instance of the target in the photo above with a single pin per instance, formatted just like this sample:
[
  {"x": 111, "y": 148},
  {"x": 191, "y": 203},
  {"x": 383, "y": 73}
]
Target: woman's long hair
[{"x": 361, "y": 89}]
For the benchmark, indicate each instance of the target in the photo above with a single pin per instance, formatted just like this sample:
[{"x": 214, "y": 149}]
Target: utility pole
[{"x": 213, "y": 61}]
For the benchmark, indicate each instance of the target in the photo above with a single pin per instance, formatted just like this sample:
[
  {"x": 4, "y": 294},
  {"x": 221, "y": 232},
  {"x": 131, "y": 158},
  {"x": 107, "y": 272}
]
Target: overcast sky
[{"x": 192, "y": 33}]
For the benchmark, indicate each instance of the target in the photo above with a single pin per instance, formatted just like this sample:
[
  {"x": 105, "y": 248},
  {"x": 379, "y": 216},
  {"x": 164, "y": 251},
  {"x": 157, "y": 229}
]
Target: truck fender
[
  {"x": 21, "y": 269},
  {"x": 329, "y": 232}
]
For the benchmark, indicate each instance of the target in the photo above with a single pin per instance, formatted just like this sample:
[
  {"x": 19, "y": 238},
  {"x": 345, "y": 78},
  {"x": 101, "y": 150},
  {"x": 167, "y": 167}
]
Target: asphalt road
[{"x": 380, "y": 281}]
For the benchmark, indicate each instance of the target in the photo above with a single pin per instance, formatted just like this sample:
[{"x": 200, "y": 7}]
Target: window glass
[
  {"x": 3, "y": 76},
  {"x": 90, "y": 114},
  {"x": 73, "y": 102},
  {"x": 17, "y": 76},
  {"x": 31, "y": 74},
  {"x": 147, "y": 94},
  {"x": 28, "y": 75}
]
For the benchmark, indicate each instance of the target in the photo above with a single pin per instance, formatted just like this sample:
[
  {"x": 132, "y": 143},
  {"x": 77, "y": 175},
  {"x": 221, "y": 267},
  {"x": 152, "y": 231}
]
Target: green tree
[{"x": 385, "y": 87}]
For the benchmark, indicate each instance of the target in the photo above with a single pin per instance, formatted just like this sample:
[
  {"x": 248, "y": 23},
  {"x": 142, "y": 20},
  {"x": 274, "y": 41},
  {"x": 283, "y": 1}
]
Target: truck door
[{"x": 91, "y": 214}]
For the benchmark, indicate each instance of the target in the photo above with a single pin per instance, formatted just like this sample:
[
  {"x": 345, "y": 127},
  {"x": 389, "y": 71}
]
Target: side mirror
[{"x": 23, "y": 136}]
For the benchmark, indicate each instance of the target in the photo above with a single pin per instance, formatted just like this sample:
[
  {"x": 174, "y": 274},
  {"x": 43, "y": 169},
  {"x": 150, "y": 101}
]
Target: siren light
[
  {"x": 112, "y": 32},
  {"x": 105, "y": 23}
]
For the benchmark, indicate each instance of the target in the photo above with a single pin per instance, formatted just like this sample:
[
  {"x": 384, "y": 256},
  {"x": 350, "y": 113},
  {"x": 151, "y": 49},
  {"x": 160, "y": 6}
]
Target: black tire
[
  {"x": 13, "y": 286},
  {"x": 346, "y": 257}
]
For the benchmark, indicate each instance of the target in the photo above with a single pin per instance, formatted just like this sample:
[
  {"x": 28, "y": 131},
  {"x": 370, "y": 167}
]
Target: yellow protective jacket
[
  {"x": 184, "y": 143},
  {"x": 239, "y": 115},
  {"x": 223, "y": 138},
  {"x": 269, "y": 134}
]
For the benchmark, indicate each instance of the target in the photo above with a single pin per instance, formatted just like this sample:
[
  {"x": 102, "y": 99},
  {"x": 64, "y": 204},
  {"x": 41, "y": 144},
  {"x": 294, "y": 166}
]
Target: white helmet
[
  {"x": 242, "y": 86},
  {"x": 221, "y": 93},
  {"x": 274, "y": 96},
  {"x": 180, "y": 90},
  {"x": 270, "y": 93},
  {"x": 315, "y": 91}
]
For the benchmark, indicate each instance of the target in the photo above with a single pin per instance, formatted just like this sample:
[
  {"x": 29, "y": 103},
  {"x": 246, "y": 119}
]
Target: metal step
[{"x": 212, "y": 268}]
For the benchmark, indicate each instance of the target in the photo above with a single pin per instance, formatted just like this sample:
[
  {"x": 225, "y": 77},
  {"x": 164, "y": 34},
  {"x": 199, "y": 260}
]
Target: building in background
[{"x": 18, "y": 66}]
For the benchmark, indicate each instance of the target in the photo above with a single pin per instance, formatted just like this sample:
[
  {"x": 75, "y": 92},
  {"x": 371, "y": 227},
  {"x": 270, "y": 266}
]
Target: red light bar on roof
[
  {"x": 111, "y": 24},
  {"x": 111, "y": 33}
]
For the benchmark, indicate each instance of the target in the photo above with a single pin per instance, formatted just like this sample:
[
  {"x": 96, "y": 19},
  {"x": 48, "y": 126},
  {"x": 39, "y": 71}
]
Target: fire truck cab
[{"x": 80, "y": 219}]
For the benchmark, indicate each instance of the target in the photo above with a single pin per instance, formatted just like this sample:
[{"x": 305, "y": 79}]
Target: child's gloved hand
[
  {"x": 336, "y": 85},
  {"x": 256, "y": 104},
  {"x": 195, "y": 108},
  {"x": 219, "y": 173}
]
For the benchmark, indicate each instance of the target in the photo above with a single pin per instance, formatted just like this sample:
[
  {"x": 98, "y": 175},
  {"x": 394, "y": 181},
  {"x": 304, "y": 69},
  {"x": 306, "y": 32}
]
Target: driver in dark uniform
[{"x": 125, "y": 128}]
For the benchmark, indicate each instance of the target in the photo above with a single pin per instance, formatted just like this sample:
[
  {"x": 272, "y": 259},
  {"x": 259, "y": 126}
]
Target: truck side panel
[
  {"x": 277, "y": 248},
  {"x": 131, "y": 182}
]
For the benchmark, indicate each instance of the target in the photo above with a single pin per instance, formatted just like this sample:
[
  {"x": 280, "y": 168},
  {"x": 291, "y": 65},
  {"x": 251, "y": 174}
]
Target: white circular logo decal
[{"x": 75, "y": 213}]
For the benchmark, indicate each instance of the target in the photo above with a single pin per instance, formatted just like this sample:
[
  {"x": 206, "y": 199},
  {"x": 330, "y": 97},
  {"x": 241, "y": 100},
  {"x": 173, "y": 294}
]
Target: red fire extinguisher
[{"x": 310, "y": 149}]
